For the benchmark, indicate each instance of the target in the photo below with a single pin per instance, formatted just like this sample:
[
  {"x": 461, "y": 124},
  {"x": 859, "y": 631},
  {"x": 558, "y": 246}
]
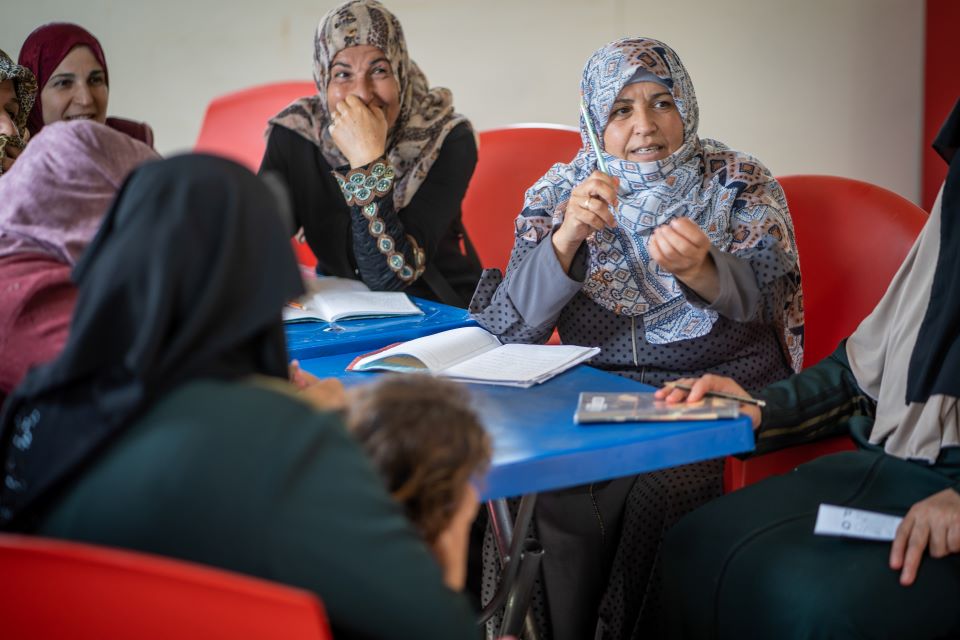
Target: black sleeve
[
  {"x": 393, "y": 248},
  {"x": 275, "y": 159},
  {"x": 813, "y": 404}
]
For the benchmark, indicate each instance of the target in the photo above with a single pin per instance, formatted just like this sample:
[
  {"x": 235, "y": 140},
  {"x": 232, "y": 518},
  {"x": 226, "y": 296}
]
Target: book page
[
  {"x": 521, "y": 364},
  {"x": 438, "y": 351},
  {"x": 400, "y": 364},
  {"x": 337, "y": 305},
  {"x": 305, "y": 308},
  {"x": 329, "y": 284}
]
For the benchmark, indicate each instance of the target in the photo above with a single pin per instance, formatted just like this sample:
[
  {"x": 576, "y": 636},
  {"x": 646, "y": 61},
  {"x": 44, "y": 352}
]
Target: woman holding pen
[{"x": 676, "y": 256}]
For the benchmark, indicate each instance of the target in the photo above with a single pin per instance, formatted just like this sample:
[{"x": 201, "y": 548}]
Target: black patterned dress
[
  {"x": 360, "y": 233},
  {"x": 602, "y": 541}
]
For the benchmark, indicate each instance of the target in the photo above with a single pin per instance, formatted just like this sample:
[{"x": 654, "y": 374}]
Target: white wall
[{"x": 808, "y": 86}]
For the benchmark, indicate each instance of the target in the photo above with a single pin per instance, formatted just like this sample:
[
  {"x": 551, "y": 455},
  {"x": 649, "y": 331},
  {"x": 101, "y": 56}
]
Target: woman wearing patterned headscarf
[
  {"x": 51, "y": 204},
  {"x": 678, "y": 262},
  {"x": 378, "y": 162},
  {"x": 71, "y": 71},
  {"x": 18, "y": 88}
]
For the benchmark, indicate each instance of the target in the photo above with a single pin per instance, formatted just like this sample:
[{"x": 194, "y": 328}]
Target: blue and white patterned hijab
[{"x": 729, "y": 194}]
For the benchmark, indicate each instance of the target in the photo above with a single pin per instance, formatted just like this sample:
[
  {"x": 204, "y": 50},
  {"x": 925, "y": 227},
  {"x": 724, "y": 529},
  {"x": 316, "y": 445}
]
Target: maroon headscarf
[{"x": 44, "y": 50}]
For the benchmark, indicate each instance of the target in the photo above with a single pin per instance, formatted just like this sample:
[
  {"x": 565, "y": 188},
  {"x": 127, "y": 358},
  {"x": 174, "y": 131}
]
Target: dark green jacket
[
  {"x": 826, "y": 400},
  {"x": 239, "y": 476}
]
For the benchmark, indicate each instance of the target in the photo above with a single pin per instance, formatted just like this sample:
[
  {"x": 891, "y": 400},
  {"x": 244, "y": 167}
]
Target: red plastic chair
[
  {"x": 852, "y": 237},
  {"x": 510, "y": 160},
  {"x": 56, "y": 589},
  {"x": 234, "y": 124}
]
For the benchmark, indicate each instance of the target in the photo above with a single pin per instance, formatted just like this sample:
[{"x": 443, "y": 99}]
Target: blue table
[
  {"x": 315, "y": 339},
  {"x": 537, "y": 446}
]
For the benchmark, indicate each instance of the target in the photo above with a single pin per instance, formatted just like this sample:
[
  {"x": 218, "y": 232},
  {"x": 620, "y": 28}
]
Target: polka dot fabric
[{"x": 627, "y": 605}]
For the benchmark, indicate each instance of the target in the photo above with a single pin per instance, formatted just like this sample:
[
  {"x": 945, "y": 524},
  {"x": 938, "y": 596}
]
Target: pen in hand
[
  {"x": 718, "y": 394},
  {"x": 592, "y": 134}
]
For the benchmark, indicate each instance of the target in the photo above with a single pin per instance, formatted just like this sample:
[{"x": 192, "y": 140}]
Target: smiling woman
[
  {"x": 71, "y": 71},
  {"x": 77, "y": 90},
  {"x": 378, "y": 162}
]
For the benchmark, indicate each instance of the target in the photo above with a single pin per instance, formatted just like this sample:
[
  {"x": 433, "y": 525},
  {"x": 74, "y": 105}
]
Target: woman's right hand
[
  {"x": 588, "y": 211},
  {"x": 700, "y": 386},
  {"x": 359, "y": 131}
]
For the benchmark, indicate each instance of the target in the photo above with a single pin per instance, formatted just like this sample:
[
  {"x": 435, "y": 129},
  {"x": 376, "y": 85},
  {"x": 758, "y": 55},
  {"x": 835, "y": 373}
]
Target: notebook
[
  {"x": 640, "y": 406},
  {"x": 471, "y": 354},
  {"x": 330, "y": 299}
]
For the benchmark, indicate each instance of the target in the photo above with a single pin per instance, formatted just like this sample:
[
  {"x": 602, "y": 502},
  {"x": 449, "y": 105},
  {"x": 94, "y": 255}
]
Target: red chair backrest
[
  {"x": 234, "y": 124},
  {"x": 510, "y": 160},
  {"x": 852, "y": 237},
  {"x": 55, "y": 589}
]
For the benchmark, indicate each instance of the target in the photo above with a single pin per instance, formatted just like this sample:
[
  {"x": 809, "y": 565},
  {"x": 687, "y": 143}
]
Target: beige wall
[{"x": 808, "y": 86}]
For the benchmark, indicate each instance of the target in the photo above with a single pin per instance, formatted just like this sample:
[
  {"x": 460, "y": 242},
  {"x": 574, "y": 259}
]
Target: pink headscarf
[{"x": 53, "y": 198}]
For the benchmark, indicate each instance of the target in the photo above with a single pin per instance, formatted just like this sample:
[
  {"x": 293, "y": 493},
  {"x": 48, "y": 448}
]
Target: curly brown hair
[{"x": 426, "y": 441}]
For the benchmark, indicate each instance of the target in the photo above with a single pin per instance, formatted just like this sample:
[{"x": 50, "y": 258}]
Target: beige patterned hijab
[
  {"x": 25, "y": 86},
  {"x": 426, "y": 115},
  {"x": 880, "y": 351}
]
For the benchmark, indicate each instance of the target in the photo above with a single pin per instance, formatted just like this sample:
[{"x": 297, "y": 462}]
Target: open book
[
  {"x": 331, "y": 299},
  {"x": 470, "y": 354},
  {"x": 639, "y": 406}
]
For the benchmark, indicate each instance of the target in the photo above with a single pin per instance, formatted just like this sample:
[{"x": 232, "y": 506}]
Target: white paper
[
  {"x": 520, "y": 364},
  {"x": 438, "y": 351},
  {"x": 471, "y": 354},
  {"x": 336, "y": 305},
  {"x": 332, "y": 299},
  {"x": 855, "y": 523},
  {"x": 329, "y": 284}
]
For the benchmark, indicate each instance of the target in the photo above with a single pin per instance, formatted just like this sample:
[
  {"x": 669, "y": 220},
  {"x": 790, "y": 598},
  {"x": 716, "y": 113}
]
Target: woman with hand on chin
[
  {"x": 18, "y": 89},
  {"x": 71, "y": 71},
  {"x": 678, "y": 261},
  {"x": 377, "y": 162}
]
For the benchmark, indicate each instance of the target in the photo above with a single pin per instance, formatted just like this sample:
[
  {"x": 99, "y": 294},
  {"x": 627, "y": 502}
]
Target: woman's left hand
[
  {"x": 359, "y": 131},
  {"x": 326, "y": 394},
  {"x": 933, "y": 522},
  {"x": 682, "y": 248}
]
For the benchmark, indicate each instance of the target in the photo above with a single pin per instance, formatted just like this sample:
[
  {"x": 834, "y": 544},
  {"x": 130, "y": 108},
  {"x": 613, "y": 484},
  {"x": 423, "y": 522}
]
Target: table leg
[{"x": 520, "y": 558}]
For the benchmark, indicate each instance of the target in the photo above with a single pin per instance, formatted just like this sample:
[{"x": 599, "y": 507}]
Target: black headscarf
[
  {"x": 935, "y": 362},
  {"x": 185, "y": 280}
]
